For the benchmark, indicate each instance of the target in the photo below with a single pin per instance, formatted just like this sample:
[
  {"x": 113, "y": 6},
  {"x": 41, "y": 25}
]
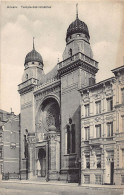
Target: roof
[
  {"x": 33, "y": 56},
  {"x": 3, "y": 111},
  {"x": 120, "y": 68},
  {"x": 77, "y": 26},
  {"x": 97, "y": 84}
]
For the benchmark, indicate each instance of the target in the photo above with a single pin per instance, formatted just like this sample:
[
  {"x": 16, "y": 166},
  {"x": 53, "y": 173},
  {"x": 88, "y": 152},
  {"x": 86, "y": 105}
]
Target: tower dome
[
  {"x": 77, "y": 26},
  {"x": 33, "y": 56}
]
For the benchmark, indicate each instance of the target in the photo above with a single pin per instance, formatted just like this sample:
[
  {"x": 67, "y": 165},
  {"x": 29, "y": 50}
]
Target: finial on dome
[
  {"x": 77, "y": 11},
  {"x": 33, "y": 44},
  {"x": 58, "y": 58}
]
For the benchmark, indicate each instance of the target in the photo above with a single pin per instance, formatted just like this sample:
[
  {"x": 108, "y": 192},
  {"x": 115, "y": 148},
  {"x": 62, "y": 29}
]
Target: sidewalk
[{"x": 66, "y": 184}]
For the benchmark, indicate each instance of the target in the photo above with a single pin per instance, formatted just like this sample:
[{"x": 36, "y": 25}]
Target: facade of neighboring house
[
  {"x": 9, "y": 145},
  {"x": 102, "y": 131}
]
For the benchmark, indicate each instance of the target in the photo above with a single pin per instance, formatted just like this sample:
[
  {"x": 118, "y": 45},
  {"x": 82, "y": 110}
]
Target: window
[
  {"x": 98, "y": 131},
  {"x": 98, "y": 179},
  {"x": 1, "y": 137},
  {"x": 122, "y": 118},
  {"x": 98, "y": 107},
  {"x": 122, "y": 179},
  {"x": 110, "y": 104},
  {"x": 26, "y": 76},
  {"x": 98, "y": 158},
  {"x": 70, "y": 52},
  {"x": 87, "y": 157},
  {"x": 87, "y": 133},
  {"x": 110, "y": 129},
  {"x": 86, "y": 179},
  {"x": 73, "y": 137},
  {"x": 87, "y": 110},
  {"x": 70, "y": 137},
  {"x": 0, "y": 152},
  {"x": 122, "y": 95},
  {"x": 91, "y": 81},
  {"x": 25, "y": 147},
  {"x": 122, "y": 157},
  {"x": 68, "y": 140}
]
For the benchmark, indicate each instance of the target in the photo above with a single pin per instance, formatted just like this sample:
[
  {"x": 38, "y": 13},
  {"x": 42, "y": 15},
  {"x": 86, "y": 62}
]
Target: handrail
[{"x": 77, "y": 57}]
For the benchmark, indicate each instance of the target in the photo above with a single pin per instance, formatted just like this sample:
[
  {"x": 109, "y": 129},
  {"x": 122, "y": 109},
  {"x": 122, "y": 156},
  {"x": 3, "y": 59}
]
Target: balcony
[
  {"x": 76, "y": 57},
  {"x": 101, "y": 140},
  {"x": 29, "y": 83},
  {"x": 95, "y": 141},
  {"x": 52, "y": 81},
  {"x": 121, "y": 134}
]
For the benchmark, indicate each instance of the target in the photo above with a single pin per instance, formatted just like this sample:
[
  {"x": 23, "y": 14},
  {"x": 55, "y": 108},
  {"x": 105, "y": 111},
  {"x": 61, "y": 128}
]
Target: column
[{"x": 30, "y": 161}]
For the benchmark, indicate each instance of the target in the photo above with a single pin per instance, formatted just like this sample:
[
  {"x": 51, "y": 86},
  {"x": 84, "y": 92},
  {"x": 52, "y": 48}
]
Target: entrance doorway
[
  {"x": 42, "y": 162},
  {"x": 112, "y": 172}
]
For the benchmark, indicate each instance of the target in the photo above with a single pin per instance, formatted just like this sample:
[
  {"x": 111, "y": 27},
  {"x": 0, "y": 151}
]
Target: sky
[{"x": 49, "y": 26}]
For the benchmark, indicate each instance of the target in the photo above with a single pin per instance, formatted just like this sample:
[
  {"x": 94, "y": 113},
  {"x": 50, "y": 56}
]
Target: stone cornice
[
  {"x": 101, "y": 84},
  {"x": 75, "y": 65}
]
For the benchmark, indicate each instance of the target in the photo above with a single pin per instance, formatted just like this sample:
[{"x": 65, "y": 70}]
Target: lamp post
[{"x": 78, "y": 165}]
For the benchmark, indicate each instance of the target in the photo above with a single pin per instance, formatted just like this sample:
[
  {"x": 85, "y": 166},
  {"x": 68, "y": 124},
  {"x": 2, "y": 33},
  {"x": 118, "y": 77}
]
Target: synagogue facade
[{"x": 55, "y": 139}]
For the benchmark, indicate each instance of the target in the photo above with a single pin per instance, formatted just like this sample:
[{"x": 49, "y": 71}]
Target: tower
[
  {"x": 77, "y": 70},
  {"x": 33, "y": 74}
]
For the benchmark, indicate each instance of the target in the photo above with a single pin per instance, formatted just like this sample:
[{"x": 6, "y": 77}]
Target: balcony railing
[
  {"x": 100, "y": 140},
  {"x": 50, "y": 81},
  {"x": 31, "y": 81},
  {"x": 121, "y": 134},
  {"x": 95, "y": 141},
  {"x": 78, "y": 56}
]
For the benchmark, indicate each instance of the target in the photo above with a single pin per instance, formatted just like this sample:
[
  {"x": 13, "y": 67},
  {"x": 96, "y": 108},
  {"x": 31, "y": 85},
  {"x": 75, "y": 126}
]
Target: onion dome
[
  {"x": 33, "y": 56},
  {"x": 77, "y": 26}
]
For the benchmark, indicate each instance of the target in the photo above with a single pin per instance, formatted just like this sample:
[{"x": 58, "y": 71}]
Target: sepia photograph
[{"x": 62, "y": 97}]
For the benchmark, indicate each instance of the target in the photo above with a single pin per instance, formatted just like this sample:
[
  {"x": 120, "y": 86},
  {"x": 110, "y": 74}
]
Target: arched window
[
  {"x": 70, "y": 137},
  {"x": 26, "y": 76},
  {"x": 73, "y": 137},
  {"x": 70, "y": 52},
  {"x": 25, "y": 147}
]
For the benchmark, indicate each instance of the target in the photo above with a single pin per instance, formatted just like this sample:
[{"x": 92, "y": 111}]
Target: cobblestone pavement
[{"x": 53, "y": 189}]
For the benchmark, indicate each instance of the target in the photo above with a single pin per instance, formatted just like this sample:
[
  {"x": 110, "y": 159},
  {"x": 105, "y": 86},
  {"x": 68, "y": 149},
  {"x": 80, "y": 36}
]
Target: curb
[
  {"x": 67, "y": 184},
  {"x": 43, "y": 183}
]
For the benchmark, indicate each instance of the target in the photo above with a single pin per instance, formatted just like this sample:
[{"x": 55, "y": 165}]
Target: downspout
[{"x": 20, "y": 146}]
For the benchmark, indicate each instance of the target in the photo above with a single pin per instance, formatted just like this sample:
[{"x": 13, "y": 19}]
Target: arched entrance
[
  {"x": 48, "y": 138},
  {"x": 41, "y": 166}
]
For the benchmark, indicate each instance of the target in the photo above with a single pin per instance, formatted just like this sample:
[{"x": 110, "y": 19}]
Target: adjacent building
[
  {"x": 102, "y": 131},
  {"x": 9, "y": 145}
]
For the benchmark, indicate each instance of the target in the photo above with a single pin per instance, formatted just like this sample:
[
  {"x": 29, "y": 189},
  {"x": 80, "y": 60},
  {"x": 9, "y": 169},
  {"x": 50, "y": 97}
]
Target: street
[{"x": 53, "y": 189}]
